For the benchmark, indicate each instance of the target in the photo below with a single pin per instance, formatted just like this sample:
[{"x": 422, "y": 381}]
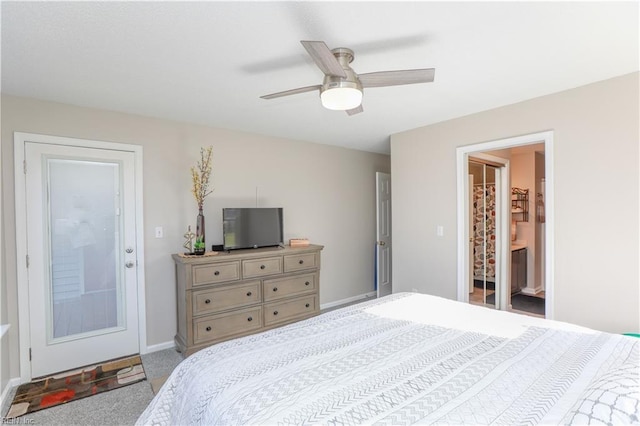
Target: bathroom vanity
[{"x": 518, "y": 267}]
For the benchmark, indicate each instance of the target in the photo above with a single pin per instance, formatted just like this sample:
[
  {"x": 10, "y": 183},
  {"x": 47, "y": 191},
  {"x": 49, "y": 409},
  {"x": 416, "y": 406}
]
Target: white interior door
[
  {"x": 82, "y": 255},
  {"x": 383, "y": 234}
]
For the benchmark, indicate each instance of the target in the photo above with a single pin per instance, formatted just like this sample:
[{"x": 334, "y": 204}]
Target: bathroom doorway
[{"x": 528, "y": 228}]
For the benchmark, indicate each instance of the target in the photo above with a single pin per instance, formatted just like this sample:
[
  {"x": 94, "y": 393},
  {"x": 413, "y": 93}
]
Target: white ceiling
[{"x": 208, "y": 62}]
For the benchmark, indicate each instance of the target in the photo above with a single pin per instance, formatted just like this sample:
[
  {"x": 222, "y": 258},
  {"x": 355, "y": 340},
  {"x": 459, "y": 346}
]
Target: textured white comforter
[{"x": 408, "y": 358}]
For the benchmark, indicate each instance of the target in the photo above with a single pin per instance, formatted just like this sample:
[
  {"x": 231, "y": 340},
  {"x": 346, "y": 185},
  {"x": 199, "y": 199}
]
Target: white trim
[
  {"x": 531, "y": 291},
  {"x": 5, "y": 392},
  {"x": 371, "y": 294},
  {"x": 160, "y": 347},
  {"x": 142, "y": 294},
  {"x": 19, "y": 140},
  {"x": 3, "y": 329},
  {"x": 462, "y": 154}
]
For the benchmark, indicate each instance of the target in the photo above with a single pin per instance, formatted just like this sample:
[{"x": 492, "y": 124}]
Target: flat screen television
[{"x": 252, "y": 227}]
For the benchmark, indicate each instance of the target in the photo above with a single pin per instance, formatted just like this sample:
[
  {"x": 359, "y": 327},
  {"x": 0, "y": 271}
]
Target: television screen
[{"x": 251, "y": 227}]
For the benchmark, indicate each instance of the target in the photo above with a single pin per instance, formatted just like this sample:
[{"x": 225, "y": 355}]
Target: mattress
[{"x": 404, "y": 359}]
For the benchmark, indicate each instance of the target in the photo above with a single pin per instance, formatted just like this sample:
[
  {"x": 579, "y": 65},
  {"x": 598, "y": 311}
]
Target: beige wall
[
  {"x": 328, "y": 195},
  {"x": 596, "y": 186}
]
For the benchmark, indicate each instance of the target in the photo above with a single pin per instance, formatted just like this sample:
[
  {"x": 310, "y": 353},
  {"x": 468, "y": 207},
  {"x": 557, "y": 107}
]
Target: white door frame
[
  {"x": 19, "y": 140},
  {"x": 462, "y": 159}
]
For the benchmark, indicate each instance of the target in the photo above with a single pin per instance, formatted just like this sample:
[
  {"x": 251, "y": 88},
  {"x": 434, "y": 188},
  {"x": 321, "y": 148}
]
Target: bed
[{"x": 404, "y": 359}]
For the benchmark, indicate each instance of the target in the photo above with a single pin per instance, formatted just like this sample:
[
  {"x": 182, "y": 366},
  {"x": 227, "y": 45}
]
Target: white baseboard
[
  {"x": 159, "y": 347},
  {"x": 10, "y": 385},
  {"x": 348, "y": 300},
  {"x": 530, "y": 291}
]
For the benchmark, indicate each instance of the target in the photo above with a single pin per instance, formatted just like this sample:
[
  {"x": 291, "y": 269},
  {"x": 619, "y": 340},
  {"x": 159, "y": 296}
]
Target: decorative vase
[{"x": 199, "y": 247}]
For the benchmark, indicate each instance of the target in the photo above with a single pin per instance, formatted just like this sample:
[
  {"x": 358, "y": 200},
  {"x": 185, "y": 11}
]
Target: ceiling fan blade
[
  {"x": 355, "y": 110},
  {"x": 292, "y": 92},
  {"x": 396, "y": 78},
  {"x": 323, "y": 58}
]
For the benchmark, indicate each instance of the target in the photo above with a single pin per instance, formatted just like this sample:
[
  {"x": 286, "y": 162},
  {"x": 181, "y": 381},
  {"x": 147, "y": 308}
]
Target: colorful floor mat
[{"x": 72, "y": 385}]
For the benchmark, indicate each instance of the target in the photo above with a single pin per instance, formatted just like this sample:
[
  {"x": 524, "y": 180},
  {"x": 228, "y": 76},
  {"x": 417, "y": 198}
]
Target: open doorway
[
  {"x": 526, "y": 290},
  {"x": 527, "y": 229},
  {"x": 507, "y": 264}
]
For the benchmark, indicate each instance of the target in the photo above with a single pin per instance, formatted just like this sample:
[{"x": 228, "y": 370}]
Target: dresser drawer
[
  {"x": 223, "y": 325},
  {"x": 282, "y": 311},
  {"x": 278, "y": 288},
  {"x": 261, "y": 267},
  {"x": 229, "y": 297},
  {"x": 216, "y": 273},
  {"x": 298, "y": 262}
]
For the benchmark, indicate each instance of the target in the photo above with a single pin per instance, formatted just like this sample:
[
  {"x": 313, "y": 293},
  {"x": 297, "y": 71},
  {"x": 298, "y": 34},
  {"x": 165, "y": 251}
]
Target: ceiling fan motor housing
[{"x": 350, "y": 93}]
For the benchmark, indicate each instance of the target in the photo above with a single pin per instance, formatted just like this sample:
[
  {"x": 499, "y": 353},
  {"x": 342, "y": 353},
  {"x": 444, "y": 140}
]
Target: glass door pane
[{"x": 85, "y": 294}]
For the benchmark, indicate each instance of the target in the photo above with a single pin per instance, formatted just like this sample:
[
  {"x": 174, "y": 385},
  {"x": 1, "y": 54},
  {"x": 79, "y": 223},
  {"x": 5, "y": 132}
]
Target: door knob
[
  {"x": 381, "y": 243},
  {"x": 129, "y": 264}
]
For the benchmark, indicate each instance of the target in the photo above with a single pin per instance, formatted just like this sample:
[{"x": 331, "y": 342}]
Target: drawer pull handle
[
  {"x": 249, "y": 293},
  {"x": 216, "y": 273},
  {"x": 301, "y": 261},
  {"x": 207, "y": 301},
  {"x": 262, "y": 266},
  {"x": 275, "y": 312},
  {"x": 250, "y": 319},
  {"x": 307, "y": 305},
  {"x": 208, "y": 328},
  {"x": 275, "y": 289},
  {"x": 307, "y": 283}
]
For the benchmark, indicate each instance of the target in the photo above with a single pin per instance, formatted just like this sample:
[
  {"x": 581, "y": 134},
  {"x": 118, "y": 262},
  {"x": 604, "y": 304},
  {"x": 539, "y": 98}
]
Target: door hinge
[
  {"x": 29, "y": 354},
  {"x": 24, "y": 166},
  {"x": 27, "y": 261}
]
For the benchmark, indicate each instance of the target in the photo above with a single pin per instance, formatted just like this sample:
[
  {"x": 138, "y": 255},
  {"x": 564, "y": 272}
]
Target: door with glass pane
[{"x": 82, "y": 256}]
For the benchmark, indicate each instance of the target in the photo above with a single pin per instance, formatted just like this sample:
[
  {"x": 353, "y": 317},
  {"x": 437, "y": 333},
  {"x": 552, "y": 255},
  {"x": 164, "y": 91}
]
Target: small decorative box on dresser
[{"x": 244, "y": 292}]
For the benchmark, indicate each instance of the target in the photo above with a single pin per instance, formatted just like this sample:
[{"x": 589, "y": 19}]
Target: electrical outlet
[{"x": 159, "y": 232}]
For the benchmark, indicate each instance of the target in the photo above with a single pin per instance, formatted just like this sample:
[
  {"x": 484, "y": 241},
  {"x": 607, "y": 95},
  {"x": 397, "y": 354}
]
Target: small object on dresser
[
  {"x": 189, "y": 236},
  {"x": 299, "y": 242}
]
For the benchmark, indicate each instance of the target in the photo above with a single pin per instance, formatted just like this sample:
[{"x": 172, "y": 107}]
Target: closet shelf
[{"x": 520, "y": 204}]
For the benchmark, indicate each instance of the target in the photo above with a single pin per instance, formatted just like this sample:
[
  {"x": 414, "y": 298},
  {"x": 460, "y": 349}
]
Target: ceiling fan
[{"x": 342, "y": 87}]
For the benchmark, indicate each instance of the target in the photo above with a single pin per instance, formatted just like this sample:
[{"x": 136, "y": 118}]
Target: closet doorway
[{"x": 482, "y": 227}]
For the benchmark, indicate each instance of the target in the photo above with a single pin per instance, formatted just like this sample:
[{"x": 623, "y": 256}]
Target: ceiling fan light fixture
[
  {"x": 340, "y": 95},
  {"x": 341, "y": 98}
]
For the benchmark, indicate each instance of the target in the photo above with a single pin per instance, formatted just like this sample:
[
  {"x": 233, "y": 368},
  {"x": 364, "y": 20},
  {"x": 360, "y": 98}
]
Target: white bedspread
[{"x": 404, "y": 359}]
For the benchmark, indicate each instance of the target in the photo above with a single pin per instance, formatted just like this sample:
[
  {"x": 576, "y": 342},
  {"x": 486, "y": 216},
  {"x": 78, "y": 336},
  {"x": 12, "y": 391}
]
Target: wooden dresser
[{"x": 243, "y": 292}]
